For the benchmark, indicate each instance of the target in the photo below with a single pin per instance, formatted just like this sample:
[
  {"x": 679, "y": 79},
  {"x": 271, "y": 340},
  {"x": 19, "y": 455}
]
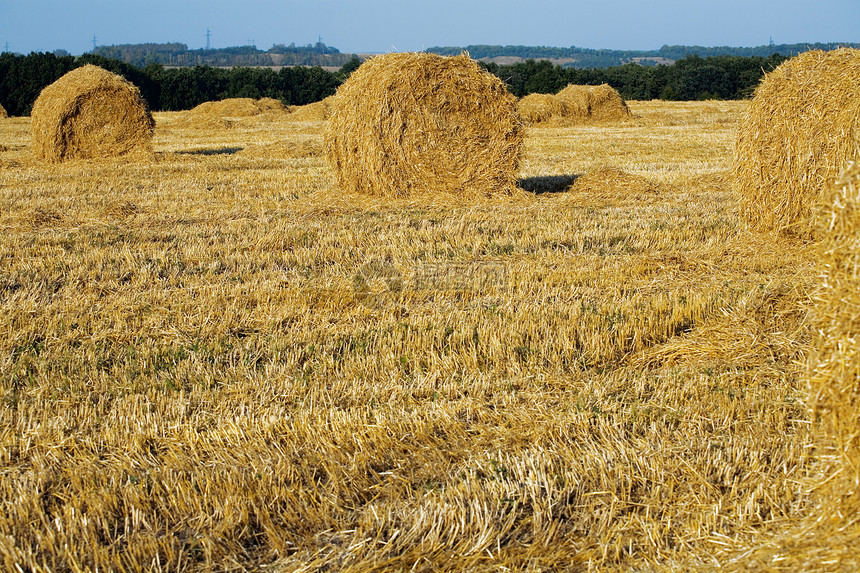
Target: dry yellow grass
[
  {"x": 3, "y": 114},
  {"x": 191, "y": 378}
]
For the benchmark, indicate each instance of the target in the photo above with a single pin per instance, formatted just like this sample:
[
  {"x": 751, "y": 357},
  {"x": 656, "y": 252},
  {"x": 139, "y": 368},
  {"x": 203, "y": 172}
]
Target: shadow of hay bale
[
  {"x": 216, "y": 151},
  {"x": 547, "y": 183}
]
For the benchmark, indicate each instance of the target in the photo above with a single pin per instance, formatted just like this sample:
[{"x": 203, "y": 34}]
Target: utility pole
[{"x": 208, "y": 38}]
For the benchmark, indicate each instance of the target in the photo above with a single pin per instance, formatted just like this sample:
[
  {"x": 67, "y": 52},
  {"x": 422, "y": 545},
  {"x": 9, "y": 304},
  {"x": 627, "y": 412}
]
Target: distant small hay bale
[
  {"x": 90, "y": 113},
  {"x": 223, "y": 113},
  {"x": 542, "y": 109},
  {"x": 834, "y": 364},
  {"x": 605, "y": 180},
  {"x": 295, "y": 149},
  {"x": 317, "y": 111},
  {"x": 595, "y": 103},
  {"x": 414, "y": 123},
  {"x": 800, "y": 128}
]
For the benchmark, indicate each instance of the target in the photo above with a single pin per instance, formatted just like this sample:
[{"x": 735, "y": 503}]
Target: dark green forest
[{"x": 172, "y": 89}]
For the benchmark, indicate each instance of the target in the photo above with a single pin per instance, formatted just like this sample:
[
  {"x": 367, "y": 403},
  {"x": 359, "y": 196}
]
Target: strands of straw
[
  {"x": 90, "y": 113},
  {"x": 802, "y": 125},
  {"x": 406, "y": 124}
]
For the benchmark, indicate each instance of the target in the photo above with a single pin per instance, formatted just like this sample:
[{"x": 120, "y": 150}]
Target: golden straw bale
[
  {"x": 223, "y": 113},
  {"x": 90, "y": 113},
  {"x": 605, "y": 180},
  {"x": 317, "y": 111},
  {"x": 835, "y": 362},
  {"x": 413, "y": 123},
  {"x": 3, "y": 113},
  {"x": 595, "y": 103},
  {"x": 800, "y": 128},
  {"x": 542, "y": 109}
]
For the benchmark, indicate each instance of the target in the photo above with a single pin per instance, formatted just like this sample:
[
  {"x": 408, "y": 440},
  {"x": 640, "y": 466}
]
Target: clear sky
[{"x": 403, "y": 25}]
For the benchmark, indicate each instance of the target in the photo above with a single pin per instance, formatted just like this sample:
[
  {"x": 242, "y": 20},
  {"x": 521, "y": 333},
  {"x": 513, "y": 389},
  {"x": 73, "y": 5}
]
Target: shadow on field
[
  {"x": 219, "y": 151},
  {"x": 547, "y": 183}
]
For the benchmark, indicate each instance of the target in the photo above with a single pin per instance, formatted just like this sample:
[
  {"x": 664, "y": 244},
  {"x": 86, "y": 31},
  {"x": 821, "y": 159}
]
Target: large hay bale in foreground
[
  {"x": 594, "y": 103},
  {"x": 835, "y": 362},
  {"x": 407, "y": 123},
  {"x": 90, "y": 113},
  {"x": 801, "y": 126}
]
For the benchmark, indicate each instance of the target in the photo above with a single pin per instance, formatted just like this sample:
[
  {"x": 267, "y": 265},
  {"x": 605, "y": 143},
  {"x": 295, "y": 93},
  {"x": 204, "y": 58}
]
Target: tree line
[
  {"x": 177, "y": 54},
  {"x": 173, "y": 89},
  {"x": 690, "y": 78},
  {"x": 591, "y": 58}
]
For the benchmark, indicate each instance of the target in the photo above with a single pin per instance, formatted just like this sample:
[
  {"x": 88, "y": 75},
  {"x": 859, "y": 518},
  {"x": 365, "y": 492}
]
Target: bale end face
[
  {"x": 90, "y": 113},
  {"x": 406, "y": 124}
]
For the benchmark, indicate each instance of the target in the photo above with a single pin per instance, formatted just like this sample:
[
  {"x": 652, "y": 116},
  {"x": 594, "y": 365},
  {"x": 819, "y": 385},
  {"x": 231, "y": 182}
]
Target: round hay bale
[
  {"x": 800, "y": 128},
  {"x": 412, "y": 123},
  {"x": 537, "y": 109},
  {"x": 594, "y": 103},
  {"x": 834, "y": 369},
  {"x": 90, "y": 113}
]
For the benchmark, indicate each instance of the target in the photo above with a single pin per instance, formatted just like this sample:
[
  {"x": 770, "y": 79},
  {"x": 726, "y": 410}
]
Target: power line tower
[
  {"x": 6, "y": 49},
  {"x": 94, "y": 42},
  {"x": 208, "y": 38}
]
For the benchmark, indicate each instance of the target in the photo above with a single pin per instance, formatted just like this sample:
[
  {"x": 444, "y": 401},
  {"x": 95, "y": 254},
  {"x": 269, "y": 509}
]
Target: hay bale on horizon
[
  {"x": 834, "y": 364},
  {"x": 237, "y": 107},
  {"x": 224, "y": 113},
  {"x": 542, "y": 109},
  {"x": 90, "y": 113},
  {"x": 606, "y": 180},
  {"x": 317, "y": 111},
  {"x": 411, "y": 123},
  {"x": 800, "y": 128},
  {"x": 600, "y": 103}
]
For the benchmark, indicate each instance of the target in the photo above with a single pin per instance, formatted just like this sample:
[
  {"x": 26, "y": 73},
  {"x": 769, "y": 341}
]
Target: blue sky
[{"x": 401, "y": 25}]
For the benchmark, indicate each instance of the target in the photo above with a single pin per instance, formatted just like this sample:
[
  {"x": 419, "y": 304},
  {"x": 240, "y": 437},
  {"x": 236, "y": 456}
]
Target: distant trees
[
  {"x": 177, "y": 54},
  {"x": 176, "y": 88},
  {"x": 690, "y": 78},
  {"x": 586, "y": 58}
]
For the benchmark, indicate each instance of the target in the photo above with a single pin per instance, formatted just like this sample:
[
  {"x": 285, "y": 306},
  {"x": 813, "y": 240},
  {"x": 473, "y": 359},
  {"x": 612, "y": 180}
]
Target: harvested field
[{"x": 218, "y": 359}]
